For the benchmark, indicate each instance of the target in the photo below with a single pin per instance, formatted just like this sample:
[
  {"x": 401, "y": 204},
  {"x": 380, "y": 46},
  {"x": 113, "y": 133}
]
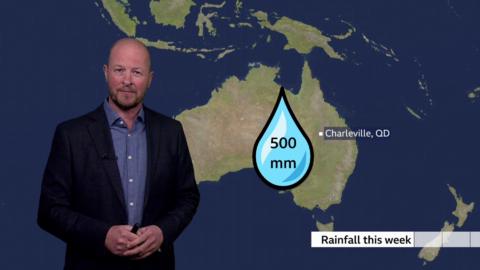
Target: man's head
[{"x": 128, "y": 73}]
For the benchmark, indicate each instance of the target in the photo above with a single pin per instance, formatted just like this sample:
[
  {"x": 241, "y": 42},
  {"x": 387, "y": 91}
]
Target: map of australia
[{"x": 222, "y": 132}]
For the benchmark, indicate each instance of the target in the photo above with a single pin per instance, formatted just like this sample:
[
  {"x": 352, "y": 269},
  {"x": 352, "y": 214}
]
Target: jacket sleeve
[
  {"x": 55, "y": 213},
  {"x": 186, "y": 195}
]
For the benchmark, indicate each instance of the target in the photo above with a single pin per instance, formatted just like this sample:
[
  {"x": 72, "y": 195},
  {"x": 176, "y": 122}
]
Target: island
[
  {"x": 461, "y": 212},
  {"x": 221, "y": 133},
  {"x": 300, "y": 36},
  {"x": 171, "y": 12}
]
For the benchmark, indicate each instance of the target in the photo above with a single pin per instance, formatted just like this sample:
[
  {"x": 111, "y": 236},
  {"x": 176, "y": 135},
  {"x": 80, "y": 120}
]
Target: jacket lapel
[
  {"x": 152, "y": 129},
  {"x": 101, "y": 136}
]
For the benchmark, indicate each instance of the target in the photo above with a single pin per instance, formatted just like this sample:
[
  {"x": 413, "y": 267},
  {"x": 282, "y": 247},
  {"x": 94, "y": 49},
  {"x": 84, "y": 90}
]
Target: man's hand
[
  {"x": 150, "y": 239},
  {"x": 118, "y": 239}
]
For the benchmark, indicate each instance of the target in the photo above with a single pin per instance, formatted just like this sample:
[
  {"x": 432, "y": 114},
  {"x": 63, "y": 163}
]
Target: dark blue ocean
[{"x": 51, "y": 57}]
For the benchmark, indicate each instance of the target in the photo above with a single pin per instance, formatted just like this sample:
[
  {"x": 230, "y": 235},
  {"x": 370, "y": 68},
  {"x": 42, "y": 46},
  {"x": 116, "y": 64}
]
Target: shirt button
[
  {"x": 131, "y": 204},
  {"x": 129, "y": 157},
  {"x": 130, "y": 180}
]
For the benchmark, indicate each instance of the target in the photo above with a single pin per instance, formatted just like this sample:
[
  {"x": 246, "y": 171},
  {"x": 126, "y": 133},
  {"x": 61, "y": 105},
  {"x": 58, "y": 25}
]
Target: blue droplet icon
[{"x": 283, "y": 154}]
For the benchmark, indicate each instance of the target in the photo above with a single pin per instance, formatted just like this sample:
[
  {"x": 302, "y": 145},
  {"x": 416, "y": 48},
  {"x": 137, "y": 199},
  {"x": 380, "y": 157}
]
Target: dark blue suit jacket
[{"x": 82, "y": 196}]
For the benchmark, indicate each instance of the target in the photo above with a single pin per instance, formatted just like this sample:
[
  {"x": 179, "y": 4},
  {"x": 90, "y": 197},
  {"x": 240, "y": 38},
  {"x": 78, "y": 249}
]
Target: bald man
[{"x": 119, "y": 186}]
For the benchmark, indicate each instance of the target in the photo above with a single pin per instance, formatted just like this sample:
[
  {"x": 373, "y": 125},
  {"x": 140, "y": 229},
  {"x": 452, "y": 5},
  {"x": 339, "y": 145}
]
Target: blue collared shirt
[{"x": 131, "y": 152}]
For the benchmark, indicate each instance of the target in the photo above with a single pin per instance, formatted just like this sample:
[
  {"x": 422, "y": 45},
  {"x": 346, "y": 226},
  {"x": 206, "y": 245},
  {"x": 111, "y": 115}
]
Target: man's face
[{"x": 128, "y": 75}]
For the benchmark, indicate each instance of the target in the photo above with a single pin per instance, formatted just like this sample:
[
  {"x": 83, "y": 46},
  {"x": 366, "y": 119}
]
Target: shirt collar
[{"x": 112, "y": 116}]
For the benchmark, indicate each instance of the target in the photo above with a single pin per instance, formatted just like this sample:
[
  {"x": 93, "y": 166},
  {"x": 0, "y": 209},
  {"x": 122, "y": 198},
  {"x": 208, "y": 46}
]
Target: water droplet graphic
[{"x": 283, "y": 154}]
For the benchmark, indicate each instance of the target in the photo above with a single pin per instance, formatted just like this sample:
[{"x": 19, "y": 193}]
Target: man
[{"x": 120, "y": 165}]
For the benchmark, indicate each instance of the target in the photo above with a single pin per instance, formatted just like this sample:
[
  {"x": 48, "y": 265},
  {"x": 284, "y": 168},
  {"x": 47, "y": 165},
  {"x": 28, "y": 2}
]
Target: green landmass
[
  {"x": 221, "y": 55},
  {"x": 334, "y": 159},
  {"x": 327, "y": 227},
  {"x": 238, "y": 7},
  {"x": 227, "y": 126},
  {"x": 205, "y": 20},
  {"x": 349, "y": 32},
  {"x": 221, "y": 134},
  {"x": 171, "y": 12},
  {"x": 262, "y": 18},
  {"x": 210, "y": 5},
  {"x": 380, "y": 48},
  {"x": 244, "y": 24},
  {"x": 344, "y": 36},
  {"x": 199, "y": 52},
  {"x": 430, "y": 253},
  {"x": 159, "y": 44},
  {"x": 462, "y": 210},
  {"x": 300, "y": 36},
  {"x": 474, "y": 93},
  {"x": 120, "y": 16},
  {"x": 412, "y": 112}
]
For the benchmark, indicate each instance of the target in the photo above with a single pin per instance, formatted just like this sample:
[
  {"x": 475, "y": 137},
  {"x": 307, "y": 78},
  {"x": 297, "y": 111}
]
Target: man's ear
[
  {"x": 105, "y": 71},
  {"x": 150, "y": 79}
]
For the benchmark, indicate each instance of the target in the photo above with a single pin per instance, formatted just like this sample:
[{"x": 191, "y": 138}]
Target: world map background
[{"x": 52, "y": 54}]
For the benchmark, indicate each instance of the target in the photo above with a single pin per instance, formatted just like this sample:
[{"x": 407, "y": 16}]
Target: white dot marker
[{"x": 320, "y": 133}]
